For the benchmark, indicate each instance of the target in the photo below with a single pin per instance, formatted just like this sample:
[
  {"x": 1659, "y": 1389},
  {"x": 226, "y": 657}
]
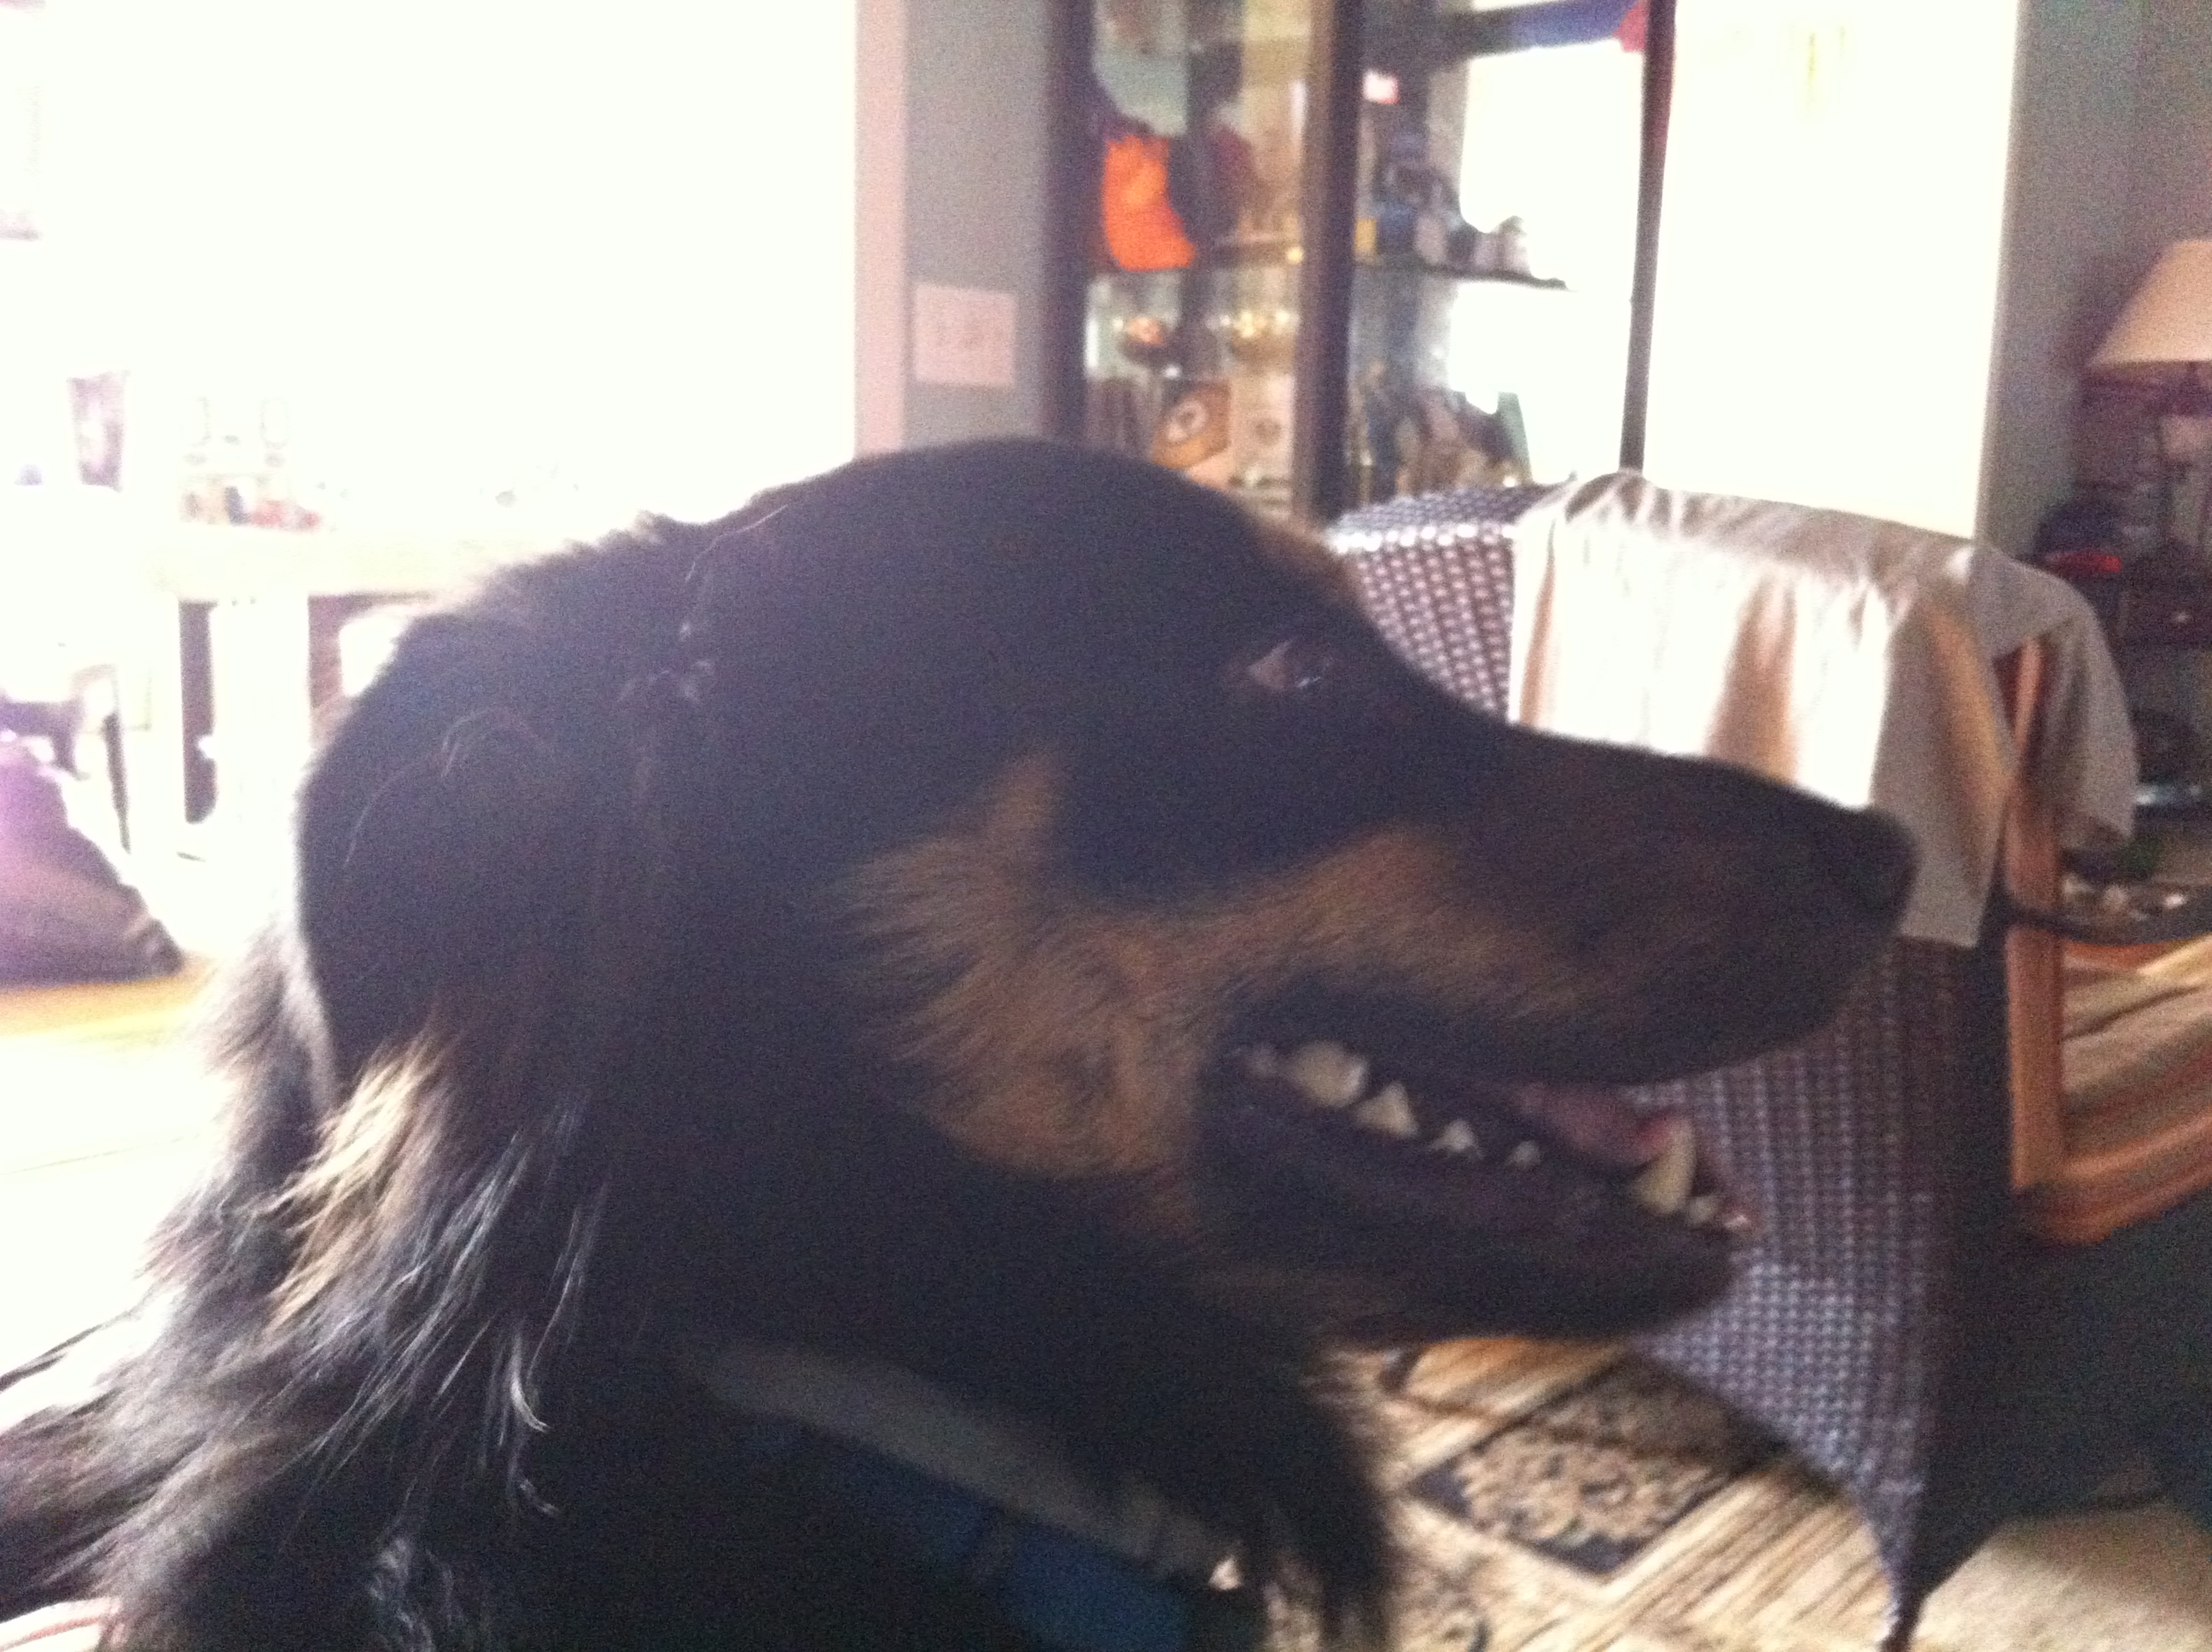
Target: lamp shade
[{"x": 2168, "y": 322}]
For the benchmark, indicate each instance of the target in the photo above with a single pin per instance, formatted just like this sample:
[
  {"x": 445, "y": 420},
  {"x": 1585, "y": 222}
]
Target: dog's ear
[
  {"x": 480, "y": 842},
  {"x": 475, "y": 904},
  {"x": 483, "y": 854}
]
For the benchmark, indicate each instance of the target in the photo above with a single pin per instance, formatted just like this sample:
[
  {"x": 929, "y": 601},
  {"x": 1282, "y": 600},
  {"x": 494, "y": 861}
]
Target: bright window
[
  {"x": 596, "y": 256},
  {"x": 1829, "y": 251}
]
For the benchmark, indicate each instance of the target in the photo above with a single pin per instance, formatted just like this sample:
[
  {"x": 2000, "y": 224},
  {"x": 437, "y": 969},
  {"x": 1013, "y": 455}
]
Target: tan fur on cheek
[
  {"x": 1052, "y": 1044},
  {"x": 1062, "y": 1034}
]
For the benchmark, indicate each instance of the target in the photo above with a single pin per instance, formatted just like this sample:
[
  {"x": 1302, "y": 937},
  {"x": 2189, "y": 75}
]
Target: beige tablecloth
[{"x": 1850, "y": 656}]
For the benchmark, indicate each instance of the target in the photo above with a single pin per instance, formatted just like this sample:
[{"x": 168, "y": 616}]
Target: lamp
[{"x": 2164, "y": 337}]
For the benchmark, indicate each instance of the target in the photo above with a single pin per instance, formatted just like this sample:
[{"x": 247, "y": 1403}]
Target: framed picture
[{"x": 22, "y": 62}]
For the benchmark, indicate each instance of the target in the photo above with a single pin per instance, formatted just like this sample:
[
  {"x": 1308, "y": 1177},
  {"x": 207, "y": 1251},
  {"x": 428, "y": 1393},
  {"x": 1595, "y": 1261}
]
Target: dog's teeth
[
  {"x": 1525, "y": 1156},
  {"x": 1328, "y": 1074},
  {"x": 1717, "y": 1210},
  {"x": 1389, "y": 1110},
  {"x": 1663, "y": 1186},
  {"x": 1261, "y": 1061},
  {"x": 1457, "y": 1137},
  {"x": 1396, "y": 1095}
]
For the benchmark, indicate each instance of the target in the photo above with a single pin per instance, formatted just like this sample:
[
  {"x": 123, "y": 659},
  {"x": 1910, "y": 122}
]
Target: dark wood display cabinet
[{"x": 1323, "y": 252}]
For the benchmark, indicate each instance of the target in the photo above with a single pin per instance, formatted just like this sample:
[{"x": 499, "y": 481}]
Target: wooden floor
[{"x": 106, "y": 1110}]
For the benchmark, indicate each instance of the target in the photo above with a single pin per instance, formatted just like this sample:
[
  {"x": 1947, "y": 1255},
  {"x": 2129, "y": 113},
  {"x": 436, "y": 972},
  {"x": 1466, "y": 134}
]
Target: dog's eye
[{"x": 1296, "y": 666}]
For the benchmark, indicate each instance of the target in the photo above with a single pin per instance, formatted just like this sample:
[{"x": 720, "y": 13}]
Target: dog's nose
[{"x": 1870, "y": 856}]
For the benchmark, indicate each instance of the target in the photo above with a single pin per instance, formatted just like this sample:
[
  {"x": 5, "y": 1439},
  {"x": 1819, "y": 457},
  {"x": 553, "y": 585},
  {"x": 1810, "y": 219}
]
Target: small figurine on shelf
[
  {"x": 1419, "y": 438},
  {"x": 1416, "y": 219},
  {"x": 2080, "y": 539},
  {"x": 1140, "y": 227},
  {"x": 1509, "y": 248},
  {"x": 1236, "y": 177},
  {"x": 277, "y": 508},
  {"x": 1193, "y": 433},
  {"x": 1148, "y": 27},
  {"x": 1417, "y": 209},
  {"x": 1149, "y": 340},
  {"x": 224, "y": 482},
  {"x": 1259, "y": 340},
  {"x": 1123, "y": 412},
  {"x": 1252, "y": 148}
]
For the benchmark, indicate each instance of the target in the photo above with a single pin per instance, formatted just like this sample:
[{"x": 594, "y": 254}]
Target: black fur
[{"x": 610, "y": 1010}]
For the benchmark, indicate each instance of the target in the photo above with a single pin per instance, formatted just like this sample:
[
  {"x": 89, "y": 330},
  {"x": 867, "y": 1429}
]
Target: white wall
[
  {"x": 2170, "y": 195},
  {"x": 879, "y": 299},
  {"x": 1829, "y": 251},
  {"x": 602, "y": 254},
  {"x": 2068, "y": 258},
  {"x": 2113, "y": 161},
  {"x": 978, "y": 183}
]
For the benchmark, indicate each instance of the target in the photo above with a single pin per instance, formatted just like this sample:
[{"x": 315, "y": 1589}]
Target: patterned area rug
[{"x": 1571, "y": 1499}]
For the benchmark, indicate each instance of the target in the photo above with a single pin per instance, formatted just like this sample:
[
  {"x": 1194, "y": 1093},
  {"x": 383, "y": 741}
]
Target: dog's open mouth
[
  {"x": 1503, "y": 1145},
  {"x": 1399, "y": 1142}
]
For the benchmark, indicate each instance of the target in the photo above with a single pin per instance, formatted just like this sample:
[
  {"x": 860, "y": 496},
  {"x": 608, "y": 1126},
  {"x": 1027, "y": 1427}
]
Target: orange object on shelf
[{"x": 1143, "y": 230}]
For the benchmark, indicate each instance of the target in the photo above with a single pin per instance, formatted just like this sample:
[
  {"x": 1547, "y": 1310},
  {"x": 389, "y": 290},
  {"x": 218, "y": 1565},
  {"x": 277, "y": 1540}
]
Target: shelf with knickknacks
[
  {"x": 1319, "y": 253},
  {"x": 1191, "y": 310},
  {"x": 1410, "y": 430},
  {"x": 232, "y": 478}
]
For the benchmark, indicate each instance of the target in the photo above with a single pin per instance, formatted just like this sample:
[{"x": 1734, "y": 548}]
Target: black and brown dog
[{"x": 835, "y": 1077}]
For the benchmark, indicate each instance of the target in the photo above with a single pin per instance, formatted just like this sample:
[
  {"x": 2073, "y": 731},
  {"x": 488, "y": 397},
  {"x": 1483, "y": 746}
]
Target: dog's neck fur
[{"x": 1026, "y": 1301}]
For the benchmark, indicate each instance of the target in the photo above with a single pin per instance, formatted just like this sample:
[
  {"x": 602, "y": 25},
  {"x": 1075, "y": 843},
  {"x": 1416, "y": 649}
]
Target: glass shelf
[
  {"x": 1438, "y": 272},
  {"x": 1231, "y": 255}
]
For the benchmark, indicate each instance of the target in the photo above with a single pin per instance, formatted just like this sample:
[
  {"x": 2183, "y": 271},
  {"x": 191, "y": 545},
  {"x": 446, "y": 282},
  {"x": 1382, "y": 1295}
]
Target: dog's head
[{"x": 1056, "y": 802}]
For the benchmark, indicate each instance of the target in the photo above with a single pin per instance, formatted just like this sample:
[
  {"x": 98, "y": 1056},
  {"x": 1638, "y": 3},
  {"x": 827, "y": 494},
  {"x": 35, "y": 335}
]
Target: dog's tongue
[
  {"x": 1660, "y": 1149},
  {"x": 1598, "y": 1123}
]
